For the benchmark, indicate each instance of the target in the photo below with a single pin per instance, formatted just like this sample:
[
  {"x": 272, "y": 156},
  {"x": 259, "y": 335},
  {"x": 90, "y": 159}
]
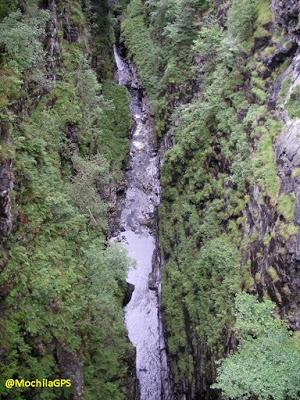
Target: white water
[{"x": 137, "y": 235}]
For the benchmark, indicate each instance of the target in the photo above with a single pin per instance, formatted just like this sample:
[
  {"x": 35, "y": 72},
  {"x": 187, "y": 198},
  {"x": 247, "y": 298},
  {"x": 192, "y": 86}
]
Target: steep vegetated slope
[
  {"x": 222, "y": 77},
  {"x": 64, "y": 140},
  {"x": 223, "y": 81}
]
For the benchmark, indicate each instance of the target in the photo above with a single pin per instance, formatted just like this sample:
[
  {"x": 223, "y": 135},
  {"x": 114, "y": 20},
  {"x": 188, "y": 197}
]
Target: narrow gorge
[
  {"x": 150, "y": 199},
  {"x": 138, "y": 234}
]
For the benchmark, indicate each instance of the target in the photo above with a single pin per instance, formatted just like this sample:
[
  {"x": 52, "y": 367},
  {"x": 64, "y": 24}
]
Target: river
[{"x": 138, "y": 235}]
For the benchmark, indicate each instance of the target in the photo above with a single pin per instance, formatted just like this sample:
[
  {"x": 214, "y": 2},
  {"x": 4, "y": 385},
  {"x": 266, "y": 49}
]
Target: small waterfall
[{"x": 138, "y": 235}]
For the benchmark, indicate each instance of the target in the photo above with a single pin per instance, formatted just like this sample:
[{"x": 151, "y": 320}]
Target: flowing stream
[{"x": 138, "y": 235}]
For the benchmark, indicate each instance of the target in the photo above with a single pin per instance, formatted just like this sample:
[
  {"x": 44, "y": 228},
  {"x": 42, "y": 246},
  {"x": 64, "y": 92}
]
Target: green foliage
[
  {"x": 241, "y": 19},
  {"x": 65, "y": 285},
  {"x": 264, "y": 13},
  {"x": 8, "y": 7},
  {"x": 285, "y": 86},
  {"x": 182, "y": 27},
  {"x": 209, "y": 279},
  {"x": 76, "y": 14},
  {"x": 266, "y": 363},
  {"x": 115, "y": 126},
  {"x": 273, "y": 274},
  {"x": 264, "y": 165},
  {"x": 286, "y": 206},
  {"x": 105, "y": 282},
  {"x": 140, "y": 45},
  {"x": 223, "y": 144},
  {"x": 208, "y": 43},
  {"x": 202, "y": 264},
  {"x": 293, "y": 104},
  {"x": 21, "y": 39},
  {"x": 90, "y": 176},
  {"x": 62, "y": 283}
]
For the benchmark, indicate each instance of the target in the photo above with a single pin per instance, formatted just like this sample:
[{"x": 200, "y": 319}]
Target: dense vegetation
[
  {"x": 211, "y": 94},
  {"x": 208, "y": 70},
  {"x": 66, "y": 135},
  {"x": 266, "y": 364}
]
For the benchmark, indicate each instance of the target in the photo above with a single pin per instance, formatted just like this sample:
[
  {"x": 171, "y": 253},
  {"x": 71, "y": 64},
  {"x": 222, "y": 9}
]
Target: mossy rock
[
  {"x": 286, "y": 206},
  {"x": 271, "y": 271},
  {"x": 293, "y": 104},
  {"x": 257, "y": 277}
]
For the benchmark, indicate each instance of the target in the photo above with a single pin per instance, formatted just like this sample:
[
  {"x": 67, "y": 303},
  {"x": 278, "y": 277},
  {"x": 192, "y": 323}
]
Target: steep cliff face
[
  {"x": 6, "y": 187},
  {"x": 223, "y": 82},
  {"x": 274, "y": 255},
  {"x": 226, "y": 102},
  {"x": 64, "y": 142},
  {"x": 287, "y": 16}
]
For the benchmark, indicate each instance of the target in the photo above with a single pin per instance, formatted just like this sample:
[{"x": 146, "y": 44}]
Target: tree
[
  {"x": 267, "y": 362},
  {"x": 241, "y": 18},
  {"x": 20, "y": 37}
]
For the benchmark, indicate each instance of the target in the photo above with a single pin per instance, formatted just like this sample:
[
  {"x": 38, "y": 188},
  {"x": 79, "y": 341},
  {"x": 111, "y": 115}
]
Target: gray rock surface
[
  {"x": 6, "y": 187},
  {"x": 71, "y": 367},
  {"x": 287, "y": 14}
]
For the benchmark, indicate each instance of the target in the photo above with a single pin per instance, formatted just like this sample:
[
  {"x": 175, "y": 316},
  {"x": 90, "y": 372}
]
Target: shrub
[
  {"x": 286, "y": 206},
  {"x": 266, "y": 364},
  {"x": 293, "y": 104},
  {"x": 241, "y": 19},
  {"x": 141, "y": 47},
  {"x": 21, "y": 38}
]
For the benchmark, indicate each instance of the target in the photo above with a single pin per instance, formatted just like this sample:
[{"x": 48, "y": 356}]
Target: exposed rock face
[
  {"x": 72, "y": 137},
  {"x": 288, "y": 156},
  {"x": 274, "y": 263},
  {"x": 6, "y": 187},
  {"x": 288, "y": 147},
  {"x": 287, "y": 14},
  {"x": 275, "y": 254},
  {"x": 277, "y": 87},
  {"x": 71, "y": 368},
  {"x": 71, "y": 32},
  {"x": 283, "y": 51},
  {"x": 131, "y": 383},
  {"x": 52, "y": 44},
  {"x": 128, "y": 293},
  {"x": 222, "y": 7}
]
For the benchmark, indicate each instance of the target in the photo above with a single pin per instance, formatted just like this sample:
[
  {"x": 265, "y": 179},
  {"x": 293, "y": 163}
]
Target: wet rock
[
  {"x": 115, "y": 194},
  {"x": 152, "y": 281},
  {"x": 222, "y": 7},
  {"x": 272, "y": 262},
  {"x": 138, "y": 217},
  {"x": 131, "y": 383},
  {"x": 73, "y": 34},
  {"x": 128, "y": 293},
  {"x": 166, "y": 144}
]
